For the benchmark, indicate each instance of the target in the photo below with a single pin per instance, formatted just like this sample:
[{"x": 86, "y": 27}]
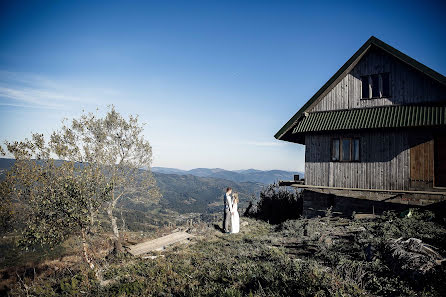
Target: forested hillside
[
  {"x": 181, "y": 194},
  {"x": 188, "y": 193}
]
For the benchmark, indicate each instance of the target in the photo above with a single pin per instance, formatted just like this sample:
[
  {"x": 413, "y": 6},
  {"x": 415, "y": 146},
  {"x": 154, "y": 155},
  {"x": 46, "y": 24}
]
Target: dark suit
[{"x": 227, "y": 214}]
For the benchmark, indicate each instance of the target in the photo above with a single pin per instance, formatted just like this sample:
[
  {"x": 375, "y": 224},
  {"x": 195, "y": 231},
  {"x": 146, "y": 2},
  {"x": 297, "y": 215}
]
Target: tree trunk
[
  {"x": 92, "y": 218},
  {"x": 85, "y": 250},
  {"x": 123, "y": 222},
  {"x": 116, "y": 238}
]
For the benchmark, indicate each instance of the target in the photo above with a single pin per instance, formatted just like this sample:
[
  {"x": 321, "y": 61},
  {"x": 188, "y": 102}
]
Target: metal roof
[{"x": 402, "y": 116}]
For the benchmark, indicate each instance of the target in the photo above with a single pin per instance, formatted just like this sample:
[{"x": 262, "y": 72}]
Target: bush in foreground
[{"x": 277, "y": 204}]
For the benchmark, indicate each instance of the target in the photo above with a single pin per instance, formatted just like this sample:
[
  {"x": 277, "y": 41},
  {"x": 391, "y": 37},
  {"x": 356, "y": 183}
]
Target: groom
[{"x": 228, "y": 210}]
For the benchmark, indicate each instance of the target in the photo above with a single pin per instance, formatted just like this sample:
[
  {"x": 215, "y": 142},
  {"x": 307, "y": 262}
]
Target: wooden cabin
[{"x": 377, "y": 126}]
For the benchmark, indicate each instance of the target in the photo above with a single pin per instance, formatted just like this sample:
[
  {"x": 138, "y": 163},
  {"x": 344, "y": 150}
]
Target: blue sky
[{"x": 213, "y": 80}]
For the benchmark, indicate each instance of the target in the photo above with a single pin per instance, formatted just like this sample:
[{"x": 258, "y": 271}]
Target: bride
[{"x": 235, "y": 219}]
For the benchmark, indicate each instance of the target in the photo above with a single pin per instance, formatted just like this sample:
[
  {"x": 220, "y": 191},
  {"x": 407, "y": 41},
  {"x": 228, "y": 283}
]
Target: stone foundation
[{"x": 346, "y": 203}]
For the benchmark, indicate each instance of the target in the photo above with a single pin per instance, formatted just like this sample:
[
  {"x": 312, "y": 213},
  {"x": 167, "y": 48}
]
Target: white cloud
[
  {"x": 23, "y": 105},
  {"x": 36, "y": 91}
]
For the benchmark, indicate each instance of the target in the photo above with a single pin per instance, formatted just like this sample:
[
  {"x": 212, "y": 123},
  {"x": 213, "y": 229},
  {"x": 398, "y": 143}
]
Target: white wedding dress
[{"x": 235, "y": 219}]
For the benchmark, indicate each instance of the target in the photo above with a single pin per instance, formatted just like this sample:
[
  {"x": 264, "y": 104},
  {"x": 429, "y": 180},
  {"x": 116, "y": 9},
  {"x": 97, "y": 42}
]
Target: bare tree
[{"x": 116, "y": 146}]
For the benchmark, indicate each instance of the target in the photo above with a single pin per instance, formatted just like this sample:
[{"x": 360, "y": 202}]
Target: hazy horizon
[
  {"x": 240, "y": 169},
  {"x": 192, "y": 168},
  {"x": 214, "y": 81}
]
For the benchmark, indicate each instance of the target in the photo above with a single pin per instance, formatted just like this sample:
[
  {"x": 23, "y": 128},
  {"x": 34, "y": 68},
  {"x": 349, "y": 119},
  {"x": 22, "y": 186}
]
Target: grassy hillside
[{"x": 306, "y": 257}]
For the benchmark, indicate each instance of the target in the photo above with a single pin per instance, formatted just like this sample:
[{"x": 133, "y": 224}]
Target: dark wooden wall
[
  {"x": 393, "y": 159},
  {"x": 389, "y": 159},
  {"x": 384, "y": 161}
]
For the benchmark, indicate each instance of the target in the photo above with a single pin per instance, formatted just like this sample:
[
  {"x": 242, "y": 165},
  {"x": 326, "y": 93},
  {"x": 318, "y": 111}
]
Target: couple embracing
[{"x": 231, "y": 212}]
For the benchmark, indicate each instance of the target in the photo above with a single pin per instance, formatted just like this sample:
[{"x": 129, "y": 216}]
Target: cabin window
[
  {"x": 375, "y": 86},
  {"x": 345, "y": 149},
  {"x": 365, "y": 87},
  {"x": 335, "y": 150},
  {"x": 355, "y": 149}
]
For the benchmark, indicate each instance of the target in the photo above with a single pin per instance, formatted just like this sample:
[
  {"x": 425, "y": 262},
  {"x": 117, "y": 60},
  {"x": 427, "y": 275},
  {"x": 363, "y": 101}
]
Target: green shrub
[
  {"x": 134, "y": 288},
  {"x": 277, "y": 204}
]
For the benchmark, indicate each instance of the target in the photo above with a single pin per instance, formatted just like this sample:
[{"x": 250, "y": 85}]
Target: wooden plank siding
[
  {"x": 389, "y": 159},
  {"x": 384, "y": 161},
  {"x": 407, "y": 85}
]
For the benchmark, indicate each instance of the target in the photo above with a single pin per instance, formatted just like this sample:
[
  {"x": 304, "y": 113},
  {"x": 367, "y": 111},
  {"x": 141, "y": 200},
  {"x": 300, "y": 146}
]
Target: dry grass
[{"x": 316, "y": 257}]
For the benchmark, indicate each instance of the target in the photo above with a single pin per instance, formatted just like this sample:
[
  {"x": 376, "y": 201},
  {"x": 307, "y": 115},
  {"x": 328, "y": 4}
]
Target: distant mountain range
[
  {"x": 201, "y": 190},
  {"x": 185, "y": 192},
  {"x": 238, "y": 176},
  {"x": 248, "y": 175}
]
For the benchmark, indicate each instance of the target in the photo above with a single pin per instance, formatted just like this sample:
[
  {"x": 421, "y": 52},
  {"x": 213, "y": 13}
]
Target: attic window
[
  {"x": 375, "y": 86},
  {"x": 385, "y": 89},
  {"x": 365, "y": 87}
]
